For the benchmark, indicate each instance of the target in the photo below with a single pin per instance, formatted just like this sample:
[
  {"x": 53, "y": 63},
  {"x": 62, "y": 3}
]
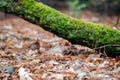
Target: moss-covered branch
[{"x": 75, "y": 30}]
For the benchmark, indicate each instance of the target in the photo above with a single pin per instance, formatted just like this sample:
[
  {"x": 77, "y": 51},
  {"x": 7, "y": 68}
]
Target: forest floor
[{"x": 28, "y": 52}]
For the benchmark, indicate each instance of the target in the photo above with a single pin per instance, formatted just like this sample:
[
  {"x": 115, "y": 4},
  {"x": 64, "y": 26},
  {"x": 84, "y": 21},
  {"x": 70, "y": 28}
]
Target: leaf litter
[{"x": 27, "y": 52}]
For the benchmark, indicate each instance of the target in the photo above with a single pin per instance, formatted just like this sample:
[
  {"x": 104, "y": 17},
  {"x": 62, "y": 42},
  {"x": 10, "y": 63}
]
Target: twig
[
  {"x": 106, "y": 46},
  {"x": 105, "y": 51}
]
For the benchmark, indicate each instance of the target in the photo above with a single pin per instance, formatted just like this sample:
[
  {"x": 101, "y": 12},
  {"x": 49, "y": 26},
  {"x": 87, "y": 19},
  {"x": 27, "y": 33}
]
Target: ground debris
[{"x": 27, "y": 52}]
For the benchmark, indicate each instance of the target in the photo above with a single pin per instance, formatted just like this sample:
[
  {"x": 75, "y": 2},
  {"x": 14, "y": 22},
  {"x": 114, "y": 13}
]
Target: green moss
[{"x": 75, "y": 30}]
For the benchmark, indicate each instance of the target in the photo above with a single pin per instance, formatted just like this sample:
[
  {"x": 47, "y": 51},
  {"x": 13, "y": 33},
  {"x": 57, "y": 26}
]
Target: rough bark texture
[{"x": 77, "y": 31}]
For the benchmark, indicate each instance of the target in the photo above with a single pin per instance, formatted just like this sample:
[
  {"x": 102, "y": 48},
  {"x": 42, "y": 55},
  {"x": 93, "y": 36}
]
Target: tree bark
[{"x": 75, "y": 30}]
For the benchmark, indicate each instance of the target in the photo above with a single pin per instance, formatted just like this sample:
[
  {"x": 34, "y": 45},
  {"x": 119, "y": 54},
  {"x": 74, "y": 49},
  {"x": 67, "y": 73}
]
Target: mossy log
[{"x": 75, "y": 30}]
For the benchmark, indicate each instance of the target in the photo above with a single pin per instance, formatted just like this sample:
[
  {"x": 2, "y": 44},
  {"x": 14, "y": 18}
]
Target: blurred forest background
[{"x": 99, "y": 11}]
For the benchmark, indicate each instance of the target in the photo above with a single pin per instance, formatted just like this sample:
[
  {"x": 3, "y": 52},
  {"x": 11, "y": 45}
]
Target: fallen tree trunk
[{"x": 75, "y": 30}]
